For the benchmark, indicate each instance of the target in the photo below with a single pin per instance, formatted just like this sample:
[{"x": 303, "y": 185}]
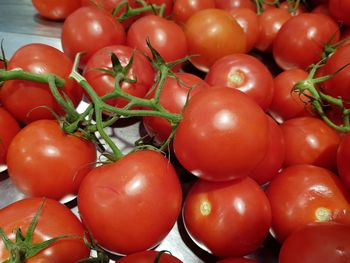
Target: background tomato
[
  {"x": 212, "y": 34},
  {"x": 229, "y": 4},
  {"x": 183, "y": 9},
  {"x": 227, "y": 218},
  {"x": 339, "y": 10},
  {"x": 149, "y": 257},
  {"x": 343, "y": 155},
  {"x": 56, "y": 9},
  {"x": 215, "y": 122},
  {"x": 54, "y": 220},
  {"x": 26, "y": 100},
  {"x": 145, "y": 192},
  {"x": 302, "y": 194},
  {"x": 43, "y": 161}
]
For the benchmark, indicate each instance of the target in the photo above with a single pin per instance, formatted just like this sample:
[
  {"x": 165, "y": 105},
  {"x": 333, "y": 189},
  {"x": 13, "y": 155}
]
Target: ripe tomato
[
  {"x": 173, "y": 98},
  {"x": 214, "y": 139},
  {"x": 339, "y": 11},
  {"x": 212, "y": 34},
  {"x": 285, "y": 103},
  {"x": 164, "y": 35},
  {"x": 149, "y": 256},
  {"x": 89, "y": 29},
  {"x": 54, "y": 220},
  {"x": 343, "y": 155},
  {"x": 24, "y": 99},
  {"x": 309, "y": 140},
  {"x": 230, "y": 4},
  {"x": 227, "y": 218},
  {"x": 245, "y": 73},
  {"x": 9, "y": 127},
  {"x": 145, "y": 192},
  {"x": 103, "y": 83},
  {"x": 56, "y": 9},
  {"x": 43, "y": 161},
  {"x": 318, "y": 242},
  {"x": 303, "y": 194},
  {"x": 300, "y": 41}
]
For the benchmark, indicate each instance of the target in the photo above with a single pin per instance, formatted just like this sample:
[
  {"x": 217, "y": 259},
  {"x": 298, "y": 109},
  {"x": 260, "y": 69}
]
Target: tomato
[
  {"x": 274, "y": 156},
  {"x": 303, "y": 194},
  {"x": 237, "y": 260},
  {"x": 215, "y": 121},
  {"x": 343, "y": 154},
  {"x": 212, "y": 34},
  {"x": 339, "y": 84},
  {"x": 145, "y": 192},
  {"x": 270, "y": 22},
  {"x": 339, "y": 11},
  {"x": 9, "y": 127},
  {"x": 229, "y": 4},
  {"x": 26, "y": 100},
  {"x": 173, "y": 98},
  {"x": 103, "y": 83},
  {"x": 227, "y": 218},
  {"x": 164, "y": 35},
  {"x": 54, "y": 220},
  {"x": 183, "y": 9},
  {"x": 319, "y": 242},
  {"x": 285, "y": 103},
  {"x": 292, "y": 8},
  {"x": 248, "y": 20},
  {"x": 89, "y": 29},
  {"x": 43, "y": 161},
  {"x": 56, "y": 9},
  {"x": 300, "y": 41},
  {"x": 149, "y": 257},
  {"x": 309, "y": 140},
  {"x": 245, "y": 73}
]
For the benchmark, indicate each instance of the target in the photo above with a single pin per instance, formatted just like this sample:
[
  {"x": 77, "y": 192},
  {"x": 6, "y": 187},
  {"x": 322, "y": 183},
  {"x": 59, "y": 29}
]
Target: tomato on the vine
[
  {"x": 56, "y": 9},
  {"x": 44, "y": 161}
]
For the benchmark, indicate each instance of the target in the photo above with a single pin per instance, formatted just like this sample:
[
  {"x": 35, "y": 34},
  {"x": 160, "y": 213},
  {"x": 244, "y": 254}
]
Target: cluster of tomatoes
[{"x": 214, "y": 84}]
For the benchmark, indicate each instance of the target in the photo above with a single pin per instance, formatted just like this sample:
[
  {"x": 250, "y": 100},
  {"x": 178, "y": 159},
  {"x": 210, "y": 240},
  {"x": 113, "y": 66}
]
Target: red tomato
[
  {"x": 173, "y": 98},
  {"x": 149, "y": 257},
  {"x": 309, "y": 140},
  {"x": 270, "y": 22},
  {"x": 164, "y": 35},
  {"x": 343, "y": 155},
  {"x": 214, "y": 139},
  {"x": 54, "y": 220},
  {"x": 43, "y": 161},
  {"x": 248, "y": 20},
  {"x": 227, "y": 218},
  {"x": 212, "y": 34},
  {"x": 145, "y": 192},
  {"x": 183, "y": 9},
  {"x": 89, "y": 29},
  {"x": 229, "y": 4},
  {"x": 24, "y": 99},
  {"x": 237, "y": 260},
  {"x": 9, "y": 127},
  {"x": 285, "y": 103},
  {"x": 103, "y": 83},
  {"x": 303, "y": 194},
  {"x": 274, "y": 156},
  {"x": 56, "y": 9},
  {"x": 319, "y": 242},
  {"x": 300, "y": 41},
  {"x": 339, "y": 10},
  {"x": 245, "y": 73}
]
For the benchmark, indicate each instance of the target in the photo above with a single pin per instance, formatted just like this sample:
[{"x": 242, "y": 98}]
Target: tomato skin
[
  {"x": 206, "y": 139},
  {"x": 302, "y": 194},
  {"x": 212, "y": 34},
  {"x": 149, "y": 256},
  {"x": 229, "y": 4},
  {"x": 343, "y": 155},
  {"x": 173, "y": 98},
  {"x": 245, "y": 73},
  {"x": 89, "y": 29},
  {"x": 300, "y": 41},
  {"x": 54, "y": 220},
  {"x": 318, "y": 242},
  {"x": 165, "y": 36},
  {"x": 183, "y": 9},
  {"x": 144, "y": 181},
  {"x": 309, "y": 140},
  {"x": 23, "y": 98},
  {"x": 56, "y": 9},
  {"x": 103, "y": 83},
  {"x": 9, "y": 127},
  {"x": 339, "y": 11},
  {"x": 228, "y": 218},
  {"x": 43, "y": 161}
]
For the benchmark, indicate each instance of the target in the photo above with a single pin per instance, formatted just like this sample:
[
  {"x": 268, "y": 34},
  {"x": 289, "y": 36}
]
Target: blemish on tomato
[
  {"x": 237, "y": 78},
  {"x": 323, "y": 214},
  {"x": 205, "y": 208}
]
